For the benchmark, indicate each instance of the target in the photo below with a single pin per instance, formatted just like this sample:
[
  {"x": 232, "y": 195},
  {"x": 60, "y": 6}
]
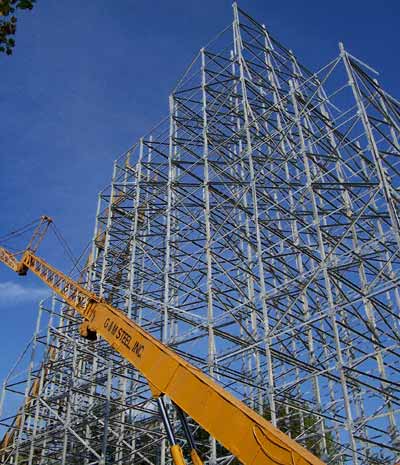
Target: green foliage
[
  {"x": 8, "y": 22},
  {"x": 378, "y": 459},
  {"x": 294, "y": 422},
  {"x": 291, "y": 422}
]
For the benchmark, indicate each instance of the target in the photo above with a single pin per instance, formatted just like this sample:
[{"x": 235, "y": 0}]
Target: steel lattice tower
[{"x": 256, "y": 231}]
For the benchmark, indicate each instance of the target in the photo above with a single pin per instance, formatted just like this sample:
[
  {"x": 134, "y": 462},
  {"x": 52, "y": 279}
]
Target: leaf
[{"x": 25, "y": 5}]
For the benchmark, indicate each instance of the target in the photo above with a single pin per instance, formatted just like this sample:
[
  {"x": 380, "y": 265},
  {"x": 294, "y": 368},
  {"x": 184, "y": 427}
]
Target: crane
[{"x": 247, "y": 435}]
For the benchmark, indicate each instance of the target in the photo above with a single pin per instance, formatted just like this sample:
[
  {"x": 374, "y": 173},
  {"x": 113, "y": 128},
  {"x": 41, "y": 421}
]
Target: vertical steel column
[
  {"x": 169, "y": 226},
  {"x": 249, "y": 150},
  {"x": 70, "y": 402},
  {"x": 317, "y": 224},
  {"x": 208, "y": 237},
  {"x": 29, "y": 384},
  {"x": 107, "y": 233},
  {"x": 107, "y": 411}
]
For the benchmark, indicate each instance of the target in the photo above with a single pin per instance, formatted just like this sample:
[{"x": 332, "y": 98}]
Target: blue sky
[{"x": 88, "y": 78}]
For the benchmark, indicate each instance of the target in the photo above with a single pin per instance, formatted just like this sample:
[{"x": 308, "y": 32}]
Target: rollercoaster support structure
[{"x": 255, "y": 231}]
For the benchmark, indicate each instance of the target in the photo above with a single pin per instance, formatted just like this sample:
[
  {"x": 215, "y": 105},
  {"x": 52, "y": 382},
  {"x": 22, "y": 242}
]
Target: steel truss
[{"x": 256, "y": 231}]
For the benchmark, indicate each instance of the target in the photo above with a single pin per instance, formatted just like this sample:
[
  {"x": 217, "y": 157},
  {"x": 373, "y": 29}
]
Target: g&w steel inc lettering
[{"x": 124, "y": 337}]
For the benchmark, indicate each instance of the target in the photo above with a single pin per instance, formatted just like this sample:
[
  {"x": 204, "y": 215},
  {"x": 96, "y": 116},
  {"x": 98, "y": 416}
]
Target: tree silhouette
[{"x": 8, "y": 22}]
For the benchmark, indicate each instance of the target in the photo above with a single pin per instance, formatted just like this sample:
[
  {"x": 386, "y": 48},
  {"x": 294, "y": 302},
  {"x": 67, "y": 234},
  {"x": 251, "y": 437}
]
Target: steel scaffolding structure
[{"x": 256, "y": 231}]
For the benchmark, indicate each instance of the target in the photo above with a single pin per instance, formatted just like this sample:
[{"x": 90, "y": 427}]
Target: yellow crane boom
[{"x": 247, "y": 435}]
